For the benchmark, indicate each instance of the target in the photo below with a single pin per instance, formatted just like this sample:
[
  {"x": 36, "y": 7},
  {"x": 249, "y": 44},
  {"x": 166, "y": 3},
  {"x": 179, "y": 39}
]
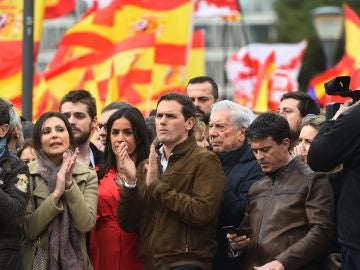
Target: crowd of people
[{"x": 201, "y": 183}]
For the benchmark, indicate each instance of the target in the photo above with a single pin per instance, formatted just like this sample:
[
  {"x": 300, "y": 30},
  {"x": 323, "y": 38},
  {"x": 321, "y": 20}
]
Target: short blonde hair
[{"x": 199, "y": 126}]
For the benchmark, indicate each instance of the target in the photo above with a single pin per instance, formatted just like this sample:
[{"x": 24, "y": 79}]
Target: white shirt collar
[{"x": 163, "y": 161}]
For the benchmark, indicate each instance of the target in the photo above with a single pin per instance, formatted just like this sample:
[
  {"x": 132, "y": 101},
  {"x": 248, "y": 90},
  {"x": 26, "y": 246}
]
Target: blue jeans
[
  {"x": 350, "y": 258},
  {"x": 186, "y": 267}
]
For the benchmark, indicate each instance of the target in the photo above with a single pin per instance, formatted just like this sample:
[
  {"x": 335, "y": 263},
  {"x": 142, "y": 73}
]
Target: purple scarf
[{"x": 64, "y": 249}]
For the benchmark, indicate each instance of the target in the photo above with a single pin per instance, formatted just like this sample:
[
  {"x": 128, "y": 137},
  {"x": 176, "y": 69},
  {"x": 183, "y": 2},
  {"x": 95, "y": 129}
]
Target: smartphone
[{"x": 234, "y": 230}]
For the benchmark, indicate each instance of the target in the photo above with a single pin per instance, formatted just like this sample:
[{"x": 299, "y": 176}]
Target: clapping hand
[
  {"x": 125, "y": 166},
  {"x": 152, "y": 167},
  {"x": 64, "y": 175}
]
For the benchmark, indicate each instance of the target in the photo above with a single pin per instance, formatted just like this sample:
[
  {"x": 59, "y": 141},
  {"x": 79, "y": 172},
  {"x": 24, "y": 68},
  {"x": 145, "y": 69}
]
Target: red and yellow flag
[
  {"x": 261, "y": 87},
  {"x": 349, "y": 65},
  {"x": 11, "y": 31},
  {"x": 101, "y": 29},
  {"x": 119, "y": 73},
  {"x": 58, "y": 8},
  {"x": 196, "y": 64}
]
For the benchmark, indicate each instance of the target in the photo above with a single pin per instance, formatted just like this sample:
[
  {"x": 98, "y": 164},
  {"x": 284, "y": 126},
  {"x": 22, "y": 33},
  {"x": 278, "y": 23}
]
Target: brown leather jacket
[
  {"x": 176, "y": 216},
  {"x": 289, "y": 218}
]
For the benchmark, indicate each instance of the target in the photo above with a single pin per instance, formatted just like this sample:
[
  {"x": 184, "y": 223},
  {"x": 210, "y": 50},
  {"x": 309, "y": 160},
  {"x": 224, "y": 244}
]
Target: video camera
[{"x": 339, "y": 87}]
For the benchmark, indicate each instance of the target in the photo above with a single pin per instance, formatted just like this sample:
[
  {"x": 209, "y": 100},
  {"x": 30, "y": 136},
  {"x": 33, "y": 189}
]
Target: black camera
[{"x": 340, "y": 86}]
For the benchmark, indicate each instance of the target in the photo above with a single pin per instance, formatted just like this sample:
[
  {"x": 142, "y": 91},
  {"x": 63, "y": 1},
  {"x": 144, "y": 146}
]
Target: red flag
[
  {"x": 244, "y": 66},
  {"x": 11, "y": 29},
  {"x": 217, "y": 8},
  {"x": 58, "y": 8}
]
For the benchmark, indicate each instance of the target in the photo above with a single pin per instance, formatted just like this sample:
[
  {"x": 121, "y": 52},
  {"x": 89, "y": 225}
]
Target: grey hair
[
  {"x": 241, "y": 116},
  {"x": 14, "y": 119},
  {"x": 15, "y": 122}
]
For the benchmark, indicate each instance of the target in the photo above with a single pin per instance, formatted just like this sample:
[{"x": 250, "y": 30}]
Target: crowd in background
[{"x": 200, "y": 183}]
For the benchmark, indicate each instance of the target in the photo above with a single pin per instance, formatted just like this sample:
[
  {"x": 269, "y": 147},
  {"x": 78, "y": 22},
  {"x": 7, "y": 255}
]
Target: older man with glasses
[{"x": 99, "y": 137}]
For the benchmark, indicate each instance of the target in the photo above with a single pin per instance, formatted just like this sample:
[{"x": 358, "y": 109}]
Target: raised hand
[
  {"x": 344, "y": 107},
  {"x": 152, "y": 168},
  {"x": 69, "y": 166},
  {"x": 125, "y": 165},
  {"x": 64, "y": 175}
]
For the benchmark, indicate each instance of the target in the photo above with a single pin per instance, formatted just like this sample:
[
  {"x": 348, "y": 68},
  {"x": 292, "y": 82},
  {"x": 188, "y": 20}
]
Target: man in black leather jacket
[{"x": 14, "y": 182}]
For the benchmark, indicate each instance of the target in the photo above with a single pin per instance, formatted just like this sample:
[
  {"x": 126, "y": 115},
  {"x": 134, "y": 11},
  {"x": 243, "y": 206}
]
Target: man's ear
[
  {"x": 241, "y": 134},
  {"x": 94, "y": 122},
  {"x": 4, "y": 130},
  {"x": 16, "y": 133},
  {"x": 189, "y": 123},
  {"x": 286, "y": 143}
]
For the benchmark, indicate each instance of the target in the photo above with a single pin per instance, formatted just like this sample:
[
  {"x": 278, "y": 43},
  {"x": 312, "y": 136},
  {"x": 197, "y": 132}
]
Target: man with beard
[
  {"x": 294, "y": 106},
  {"x": 203, "y": 92},
  {"x": 80, "y": 109}
]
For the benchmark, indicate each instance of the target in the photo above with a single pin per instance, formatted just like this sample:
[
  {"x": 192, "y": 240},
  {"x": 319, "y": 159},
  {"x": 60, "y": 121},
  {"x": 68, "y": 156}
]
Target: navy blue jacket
[{"x": 241, "y": 170}]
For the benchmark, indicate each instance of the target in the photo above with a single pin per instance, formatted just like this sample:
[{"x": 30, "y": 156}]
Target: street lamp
[{"x": 328, "y": 23}]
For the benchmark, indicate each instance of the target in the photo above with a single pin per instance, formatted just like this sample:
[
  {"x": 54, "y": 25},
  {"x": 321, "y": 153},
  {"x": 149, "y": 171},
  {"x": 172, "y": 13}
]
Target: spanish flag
[
  {"x": 123, "y": 72},
  {"x": 101, "y": 29},
  {"x": 11, "y": 31},
  {"x": 196, "y": 64}
]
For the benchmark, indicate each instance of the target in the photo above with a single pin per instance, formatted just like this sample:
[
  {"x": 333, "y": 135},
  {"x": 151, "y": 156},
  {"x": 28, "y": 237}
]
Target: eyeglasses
[
  {"x": 313, "y": 119},
  {"x": 100, "y": 126}
]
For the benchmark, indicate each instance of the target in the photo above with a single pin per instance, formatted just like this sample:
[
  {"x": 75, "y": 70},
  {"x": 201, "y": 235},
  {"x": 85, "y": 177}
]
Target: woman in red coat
[{"x": 111, "y": 248}]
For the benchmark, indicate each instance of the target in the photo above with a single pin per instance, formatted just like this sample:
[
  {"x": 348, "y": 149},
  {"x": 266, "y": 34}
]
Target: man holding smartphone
[
  {"x": 227, "y": 126},
  {"x": 289, "y": 215}
]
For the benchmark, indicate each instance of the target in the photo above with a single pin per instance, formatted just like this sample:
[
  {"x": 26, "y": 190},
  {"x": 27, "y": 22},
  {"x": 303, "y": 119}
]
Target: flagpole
[
  {"x": 27, "y": 59},
  {"x": 225, "y": 55}
]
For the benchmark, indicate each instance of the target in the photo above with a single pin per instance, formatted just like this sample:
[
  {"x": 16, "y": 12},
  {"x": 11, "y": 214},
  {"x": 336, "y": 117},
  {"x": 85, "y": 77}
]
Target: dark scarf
[{"x": 64, "y": 250}]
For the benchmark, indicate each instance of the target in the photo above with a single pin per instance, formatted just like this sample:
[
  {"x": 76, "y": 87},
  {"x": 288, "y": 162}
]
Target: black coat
[
  {"x": 98, "y": 155},
  {"x": 14, "y": 195},
  {"x": 338, "y": 142},
  {"x": 241, "y": 170}
]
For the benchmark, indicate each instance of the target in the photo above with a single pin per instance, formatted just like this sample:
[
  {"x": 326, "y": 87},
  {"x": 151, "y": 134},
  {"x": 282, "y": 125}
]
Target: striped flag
[
  {"x": 11, "y": 30},
  {"x": 349, "y": 65}
]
